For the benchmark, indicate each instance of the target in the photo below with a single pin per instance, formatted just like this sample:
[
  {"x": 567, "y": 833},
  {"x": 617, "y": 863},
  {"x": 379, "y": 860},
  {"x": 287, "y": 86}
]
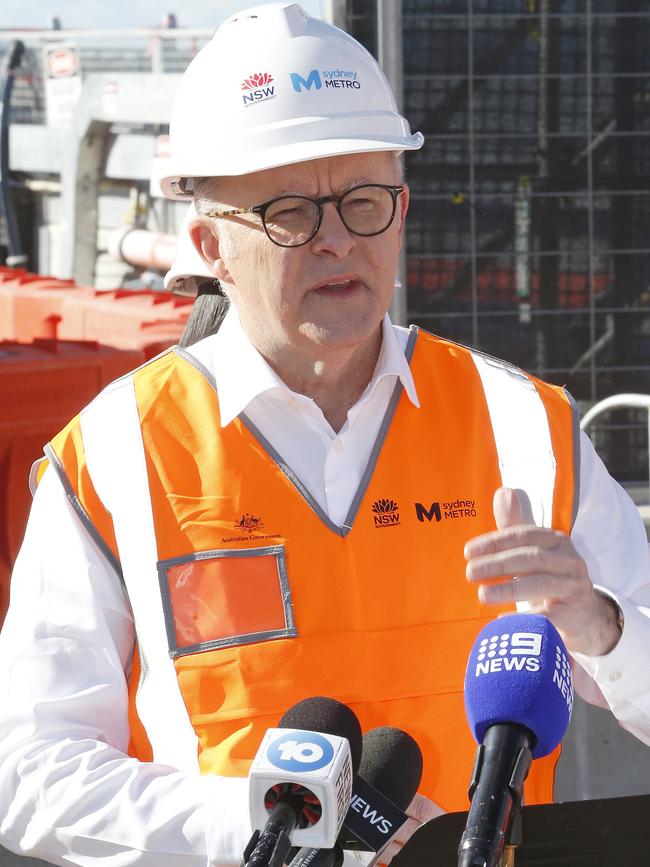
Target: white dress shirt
[
  {"x": 329, "y": 465},
  {"x": 69, "y": 793}
]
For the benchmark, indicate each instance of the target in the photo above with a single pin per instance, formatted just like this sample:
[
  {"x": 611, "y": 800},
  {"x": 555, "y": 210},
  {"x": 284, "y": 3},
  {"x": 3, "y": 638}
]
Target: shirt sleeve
[
  {"x": 68, "y": 789},
  {"x": 609, "y": 534}
]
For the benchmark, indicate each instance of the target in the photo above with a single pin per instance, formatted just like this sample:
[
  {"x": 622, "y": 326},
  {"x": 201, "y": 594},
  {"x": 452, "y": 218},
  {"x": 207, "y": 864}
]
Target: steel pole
[{"x": 389, "y": 55}]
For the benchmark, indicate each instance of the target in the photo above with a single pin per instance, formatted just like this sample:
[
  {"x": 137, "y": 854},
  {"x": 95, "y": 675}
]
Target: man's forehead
[{"x": 310, "y": 176}]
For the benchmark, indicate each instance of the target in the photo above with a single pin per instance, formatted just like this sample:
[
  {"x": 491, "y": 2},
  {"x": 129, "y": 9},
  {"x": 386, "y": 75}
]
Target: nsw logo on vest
[
  {"x": 385, "y": 513},
  {"x": 259, "y": 87},
  {"x": 298, "y": 751}
]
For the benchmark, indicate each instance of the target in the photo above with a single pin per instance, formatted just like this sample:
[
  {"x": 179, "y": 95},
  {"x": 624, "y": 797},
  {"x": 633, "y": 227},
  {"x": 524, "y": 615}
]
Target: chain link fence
[{"x": 529, "y": 228}]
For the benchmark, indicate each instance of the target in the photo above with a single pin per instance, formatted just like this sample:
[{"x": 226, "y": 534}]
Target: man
[
  {"x": 189, "y": 276},
  {"x": 282, "y": 509}
]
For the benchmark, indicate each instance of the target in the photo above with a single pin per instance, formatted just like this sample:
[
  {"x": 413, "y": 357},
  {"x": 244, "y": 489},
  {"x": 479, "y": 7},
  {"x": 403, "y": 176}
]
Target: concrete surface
[{"x": 600, "y": 759}]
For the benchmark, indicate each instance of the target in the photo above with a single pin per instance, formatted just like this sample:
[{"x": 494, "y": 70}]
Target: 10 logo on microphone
[{"x": 300, "y": 751}]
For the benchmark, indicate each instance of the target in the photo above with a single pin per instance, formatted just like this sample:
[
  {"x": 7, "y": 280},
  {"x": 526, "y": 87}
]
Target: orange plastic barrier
[
  {"x": 43, "y": 384},
  {"x": 151, "y": 321},
  {"x": 34, "y": 306},
  {"x": 30, "y": 304}
]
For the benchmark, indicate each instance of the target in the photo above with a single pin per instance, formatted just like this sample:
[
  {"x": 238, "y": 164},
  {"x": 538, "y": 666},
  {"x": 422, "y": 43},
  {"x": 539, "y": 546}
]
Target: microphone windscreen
[
  {"x": 519, "y": 672},
  {"x": 392, "y": 762},
  {"x": 322, "y": 714}
]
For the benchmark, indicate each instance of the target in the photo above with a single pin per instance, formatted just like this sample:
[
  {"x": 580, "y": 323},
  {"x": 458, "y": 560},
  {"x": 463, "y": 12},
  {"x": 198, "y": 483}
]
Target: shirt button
[
  {"x": 615, "y": 675},
  {"x": 292, "y": 402},
  {"x": 338, "y": 446}
]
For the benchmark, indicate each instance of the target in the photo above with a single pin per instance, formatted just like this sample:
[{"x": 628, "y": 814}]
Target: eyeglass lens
[{"x": 293, "y": 220}]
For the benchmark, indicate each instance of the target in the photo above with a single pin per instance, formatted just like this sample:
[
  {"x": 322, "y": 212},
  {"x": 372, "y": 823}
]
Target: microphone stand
[
  {"x": 514, "y": 837},
  {"x": 271, "y": 847}
]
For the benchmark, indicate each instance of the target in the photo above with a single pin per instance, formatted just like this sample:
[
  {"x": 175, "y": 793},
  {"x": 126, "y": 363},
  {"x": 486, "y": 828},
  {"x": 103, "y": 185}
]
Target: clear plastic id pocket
[{"x": 224, "y": 598}]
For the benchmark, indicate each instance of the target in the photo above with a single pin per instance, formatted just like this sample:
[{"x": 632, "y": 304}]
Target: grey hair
[{"x": 205, "y": 194}]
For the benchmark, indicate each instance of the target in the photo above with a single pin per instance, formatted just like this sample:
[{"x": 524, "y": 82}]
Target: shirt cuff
[
  {"x": 623, "y": 672},
  {"x": 228, "y": 826}
]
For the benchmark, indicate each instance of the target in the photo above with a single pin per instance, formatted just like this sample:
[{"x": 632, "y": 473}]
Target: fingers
[
  {"x": 511, "y": 508},
  {"x": 513, "y": 516},
  {"x": 419, "y": 811},
  {"x": 533, "y": 589},
  {"x": 397, "y": 843},
  {"x": 520, "y": 562},
  {"x": 422, "y": 809},
  {"x": 510, "y": 537},
  {"x": 542, "y": 560}
]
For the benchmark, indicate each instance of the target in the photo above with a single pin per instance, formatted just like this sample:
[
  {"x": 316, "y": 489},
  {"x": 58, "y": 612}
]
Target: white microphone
[{"x": 300, "y": 781}]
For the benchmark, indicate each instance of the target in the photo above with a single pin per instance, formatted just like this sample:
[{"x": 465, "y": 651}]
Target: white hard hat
[
  {"x": 188, "y": 270},
  {"x": 275, "y": 86}
]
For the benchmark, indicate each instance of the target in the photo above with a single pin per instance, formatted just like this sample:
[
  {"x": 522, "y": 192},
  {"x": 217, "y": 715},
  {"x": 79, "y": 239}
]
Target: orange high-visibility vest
[{"x": 262, "y": 601}]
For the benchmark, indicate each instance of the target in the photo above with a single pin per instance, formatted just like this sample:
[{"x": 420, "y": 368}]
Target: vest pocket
[{"x": 225, "y": 598}]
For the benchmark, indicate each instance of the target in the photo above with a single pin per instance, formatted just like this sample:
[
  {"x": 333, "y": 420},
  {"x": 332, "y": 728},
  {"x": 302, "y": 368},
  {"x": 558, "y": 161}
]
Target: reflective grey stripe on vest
[
  {"x": 116, "y": 463},
  {"x": 521, "y": 433},
  {"x": 81, "y": 512}
]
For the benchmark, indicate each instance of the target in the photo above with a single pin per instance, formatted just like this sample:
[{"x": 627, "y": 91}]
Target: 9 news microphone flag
[{"x": 518, "y": 701}]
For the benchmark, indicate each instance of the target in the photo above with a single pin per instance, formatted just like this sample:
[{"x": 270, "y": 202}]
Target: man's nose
[{"x": 333, "y": 236}]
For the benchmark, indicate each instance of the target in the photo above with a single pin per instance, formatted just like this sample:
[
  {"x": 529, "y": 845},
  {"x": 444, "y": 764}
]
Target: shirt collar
[
  {"x": 392, "y": 360},
  {"x": 242, "y": 374}
]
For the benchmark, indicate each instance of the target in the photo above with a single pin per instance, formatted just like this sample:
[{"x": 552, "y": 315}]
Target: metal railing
[{"x": 619, "y": 401}]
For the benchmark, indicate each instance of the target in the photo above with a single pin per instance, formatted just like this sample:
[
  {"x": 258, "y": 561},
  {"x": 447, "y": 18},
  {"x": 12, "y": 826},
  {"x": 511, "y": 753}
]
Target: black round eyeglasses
[{"x": 291, "y": 221}]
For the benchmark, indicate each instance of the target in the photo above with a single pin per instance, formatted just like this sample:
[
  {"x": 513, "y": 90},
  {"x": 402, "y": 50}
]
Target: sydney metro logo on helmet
[
  {"x": 332, "y": 77},
  {"x": 258, "y": 85}
]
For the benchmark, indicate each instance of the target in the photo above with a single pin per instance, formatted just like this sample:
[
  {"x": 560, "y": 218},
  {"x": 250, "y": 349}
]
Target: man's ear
[
  {"x": 206, "y": 244},
  {"x": 404, "y": 206}
]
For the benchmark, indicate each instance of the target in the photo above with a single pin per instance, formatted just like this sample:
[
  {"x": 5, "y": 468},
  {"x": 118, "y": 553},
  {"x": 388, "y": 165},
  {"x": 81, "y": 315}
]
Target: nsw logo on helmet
[
  {"x": 260, "y": 88},
  {"x": 331, "y": 78}
]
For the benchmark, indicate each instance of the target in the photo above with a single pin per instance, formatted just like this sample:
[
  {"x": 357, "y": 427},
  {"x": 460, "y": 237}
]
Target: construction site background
[{"x": 527, "y": 235}]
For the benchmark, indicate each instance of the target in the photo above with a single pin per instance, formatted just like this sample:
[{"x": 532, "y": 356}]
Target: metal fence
[{"x": 529, "y": 229}]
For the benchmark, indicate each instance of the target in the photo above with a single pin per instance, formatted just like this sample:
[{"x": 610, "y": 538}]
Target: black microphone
[
  {"x": 388, "y": 778},
  {"x": 301, "y": 780},
  {"x": 328, "y": 716}
]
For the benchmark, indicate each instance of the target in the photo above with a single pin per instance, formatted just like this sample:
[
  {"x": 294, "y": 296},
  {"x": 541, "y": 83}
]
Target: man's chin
[{"x": 340, "y": 335}]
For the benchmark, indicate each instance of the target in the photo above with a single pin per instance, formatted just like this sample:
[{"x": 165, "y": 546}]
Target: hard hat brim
[{"x": 284, "y": 155}]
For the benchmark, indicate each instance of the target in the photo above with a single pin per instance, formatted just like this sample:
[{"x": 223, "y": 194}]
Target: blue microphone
[{"x": 518, "y": 701}]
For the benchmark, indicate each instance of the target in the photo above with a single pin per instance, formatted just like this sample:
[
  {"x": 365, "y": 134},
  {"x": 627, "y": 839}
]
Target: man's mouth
[{"x": 342, "y": 286}]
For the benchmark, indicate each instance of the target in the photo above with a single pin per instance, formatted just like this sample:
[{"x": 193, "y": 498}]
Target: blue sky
[{"x": 125, "y": 13}]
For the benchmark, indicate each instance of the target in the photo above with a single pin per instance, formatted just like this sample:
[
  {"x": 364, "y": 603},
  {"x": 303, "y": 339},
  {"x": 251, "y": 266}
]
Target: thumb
[{"x": 512, "y": 508}]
